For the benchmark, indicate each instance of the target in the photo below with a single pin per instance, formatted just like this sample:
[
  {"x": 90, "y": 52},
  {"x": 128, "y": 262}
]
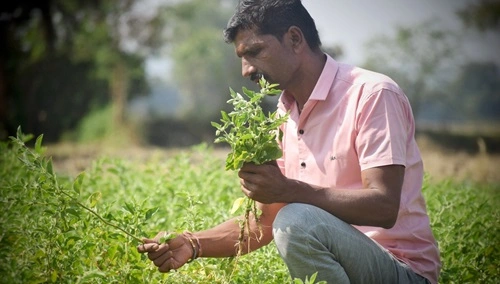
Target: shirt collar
[{"x": 322, "y": 87}]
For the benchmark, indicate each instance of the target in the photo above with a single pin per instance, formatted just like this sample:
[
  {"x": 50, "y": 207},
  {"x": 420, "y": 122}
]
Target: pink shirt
[{"x": 354, "y": 120}]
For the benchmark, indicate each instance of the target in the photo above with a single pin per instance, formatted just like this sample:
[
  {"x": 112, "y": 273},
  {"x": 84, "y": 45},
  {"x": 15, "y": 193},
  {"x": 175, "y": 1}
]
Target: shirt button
[
  {"x": 301, "y": 131},
  {"x": 303, "y": 164}
]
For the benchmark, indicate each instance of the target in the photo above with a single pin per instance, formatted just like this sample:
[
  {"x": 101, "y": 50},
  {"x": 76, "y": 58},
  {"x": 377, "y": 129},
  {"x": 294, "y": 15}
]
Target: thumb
[
  {"x": 148, "y": 245},
  {"x": 149, "y": 241}
]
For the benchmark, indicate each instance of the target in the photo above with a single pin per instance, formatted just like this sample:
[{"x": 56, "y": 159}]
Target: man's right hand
[{"x": 167, "y": 256}]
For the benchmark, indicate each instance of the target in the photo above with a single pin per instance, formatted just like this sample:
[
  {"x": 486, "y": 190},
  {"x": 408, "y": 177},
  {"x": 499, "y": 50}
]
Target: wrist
[{"x": 194, "y": 242}]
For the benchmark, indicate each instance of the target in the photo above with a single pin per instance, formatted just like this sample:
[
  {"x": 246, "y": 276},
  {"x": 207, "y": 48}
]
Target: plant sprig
[
  {"x": 34, "y": 161},
  {"x": 252, "y": 136},
  {"x": 250, "y": 133}
]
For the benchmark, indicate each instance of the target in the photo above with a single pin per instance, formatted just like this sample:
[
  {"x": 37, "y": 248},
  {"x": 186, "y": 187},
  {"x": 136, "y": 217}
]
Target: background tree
[
  {"x": 63, "y": 60},
  {"x": 483, "y": 15},
  {"x": 479, "y": 82},
  {"x": 59, "y": 59},
  {"x": 478, "y": 89},
  {"x": 204, "y": 65},
  {"x": 420, "y": 59}
]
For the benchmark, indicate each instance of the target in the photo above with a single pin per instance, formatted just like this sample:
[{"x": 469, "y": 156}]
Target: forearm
[
  {"x": 223, "y": 239},
  {"x": 363, "y": 206}
]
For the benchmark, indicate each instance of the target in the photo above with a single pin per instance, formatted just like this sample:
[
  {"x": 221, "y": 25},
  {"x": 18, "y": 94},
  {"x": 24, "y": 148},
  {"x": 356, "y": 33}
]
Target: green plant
[
  {"x": 308, "y": 280},
  {"x": 47, "y": 238},
  {"x": 43, "y": 166},
  {"x": 252, "y": 137},
  {"x": 465, "y": 220},
  {"x": 52, "y": 228},
  {"x": 97, "y": 125}
]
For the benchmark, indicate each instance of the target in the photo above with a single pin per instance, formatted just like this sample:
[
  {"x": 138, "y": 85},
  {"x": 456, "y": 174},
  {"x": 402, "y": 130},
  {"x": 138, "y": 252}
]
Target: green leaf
[
  {"x": 237, "y": 204},
  {"x": 216, "y": 125},
  {"x": 224, "y": 115},
  {"x": 72, "y": 211},
  {"x": 77, "y": 184},
  {"x": 50, "y": 167},
  {"x": 92, "y": 275},
  {"x": 94, "y": 198},
  {"x": 150, "y": 213},
  {"x": 53, "y": 276},
  {"x": 19, "y": 133},
  {"x": 167, "y": 237},
  {"x": 129, "y": 207},
  {"x": 247, "y": 136},
  {"x": 38, "y": 144}
]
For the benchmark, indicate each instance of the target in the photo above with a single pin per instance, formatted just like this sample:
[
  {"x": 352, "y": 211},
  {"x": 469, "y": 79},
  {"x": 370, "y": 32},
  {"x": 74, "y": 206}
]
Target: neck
[{"x": 306, "y": 79}]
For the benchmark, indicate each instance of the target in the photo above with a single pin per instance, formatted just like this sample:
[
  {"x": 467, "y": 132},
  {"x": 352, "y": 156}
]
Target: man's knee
[
  {"x": 291, "y": 215},
  {"x": 293, "y": 224}
]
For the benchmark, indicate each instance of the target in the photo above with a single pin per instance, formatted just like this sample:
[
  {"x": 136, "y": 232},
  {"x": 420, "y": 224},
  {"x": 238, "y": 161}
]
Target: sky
[{"x": 351, "y": 23}]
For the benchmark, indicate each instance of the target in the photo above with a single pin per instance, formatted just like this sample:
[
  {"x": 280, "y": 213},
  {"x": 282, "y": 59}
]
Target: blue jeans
[{"x": 311, "y": 240}]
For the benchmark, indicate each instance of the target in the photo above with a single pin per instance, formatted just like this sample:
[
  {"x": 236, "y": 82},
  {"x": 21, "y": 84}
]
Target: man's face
[{"x": 264, "y": 55}]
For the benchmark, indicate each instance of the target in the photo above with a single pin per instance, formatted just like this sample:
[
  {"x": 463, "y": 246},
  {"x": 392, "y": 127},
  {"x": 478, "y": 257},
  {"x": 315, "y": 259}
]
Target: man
[{"x": 345, "y": 199}]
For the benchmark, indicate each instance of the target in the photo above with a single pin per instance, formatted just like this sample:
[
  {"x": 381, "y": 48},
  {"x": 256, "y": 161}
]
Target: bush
[
  {"x": 47, "y": 235},
  {"x": 465, "y": 219}
]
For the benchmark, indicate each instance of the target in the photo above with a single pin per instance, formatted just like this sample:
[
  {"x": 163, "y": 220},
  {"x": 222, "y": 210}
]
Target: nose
[{"x": 247, "y": 69}]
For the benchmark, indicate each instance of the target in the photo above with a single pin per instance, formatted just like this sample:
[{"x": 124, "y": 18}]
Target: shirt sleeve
[{"x": 383, "y": 126}]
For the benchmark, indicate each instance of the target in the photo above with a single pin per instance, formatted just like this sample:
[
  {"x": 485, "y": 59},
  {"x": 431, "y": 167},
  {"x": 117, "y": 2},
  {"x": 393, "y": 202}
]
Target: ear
[{"x": 296, "y": 38}]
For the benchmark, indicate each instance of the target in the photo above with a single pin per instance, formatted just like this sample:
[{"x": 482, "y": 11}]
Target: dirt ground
[
  {"x": 70, "y": 159},
  {"x": 443, "y": 163}
]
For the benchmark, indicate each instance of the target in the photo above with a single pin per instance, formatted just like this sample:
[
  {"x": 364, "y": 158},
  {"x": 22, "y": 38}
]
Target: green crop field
[{"x": 51, "y": 229}]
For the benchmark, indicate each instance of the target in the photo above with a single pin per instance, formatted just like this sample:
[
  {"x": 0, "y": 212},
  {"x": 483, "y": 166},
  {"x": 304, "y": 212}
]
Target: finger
[
  {"x": 147, "y": 247},
  {"x": 159, "y": 236},
  {"x": 160, "y": 260},
  {"x": 149, "y": 241},
  {"x": 166, "y": 266},
  {"x": 272, "y": 163},
  {"x": 154, "y": 254},
  {"x": 247, "y": 185},
  {"x": 246, "y": 192},
  {"x": 249, "y": 167},
  {"x": 169, "y": 264}
]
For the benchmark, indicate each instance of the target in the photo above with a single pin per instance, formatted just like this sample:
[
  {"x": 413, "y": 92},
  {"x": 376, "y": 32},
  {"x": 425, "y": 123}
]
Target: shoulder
[{"x": 367, "y": 81}]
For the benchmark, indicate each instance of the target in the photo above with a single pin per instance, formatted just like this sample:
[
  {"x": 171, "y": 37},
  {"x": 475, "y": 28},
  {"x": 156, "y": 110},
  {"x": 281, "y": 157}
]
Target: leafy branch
[
  {"x": 34, "y": 161},
  {"x": 252, "y": 136}
]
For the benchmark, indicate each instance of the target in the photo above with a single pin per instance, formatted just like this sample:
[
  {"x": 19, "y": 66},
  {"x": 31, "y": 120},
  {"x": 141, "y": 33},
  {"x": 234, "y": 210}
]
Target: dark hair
[{"x": 272, "y": 17}]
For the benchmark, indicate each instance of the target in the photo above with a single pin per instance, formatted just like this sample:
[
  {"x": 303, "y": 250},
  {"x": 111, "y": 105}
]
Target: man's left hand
[{"x": 263, "y": 183}]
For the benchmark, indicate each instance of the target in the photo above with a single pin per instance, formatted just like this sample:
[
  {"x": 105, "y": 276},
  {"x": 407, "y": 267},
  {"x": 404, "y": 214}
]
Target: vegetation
[
  {"x": 46, "y": 237},
  {"x": 69, "y": 66},
  {"x": 61, "y": 59},
  {"x": 253, "y": 138},
  {"x": 465, "y": 220}
]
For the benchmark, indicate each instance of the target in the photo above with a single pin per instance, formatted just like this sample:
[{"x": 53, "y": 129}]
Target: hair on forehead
[{"x": 272, "y": 17}]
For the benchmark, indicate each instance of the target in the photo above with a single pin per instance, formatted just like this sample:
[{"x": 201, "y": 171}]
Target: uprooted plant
[{"x": 253, "y": 137}]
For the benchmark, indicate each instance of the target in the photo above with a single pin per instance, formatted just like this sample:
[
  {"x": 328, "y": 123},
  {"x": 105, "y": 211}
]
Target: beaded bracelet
[
  {"x": 199, "y": 245},
  {"x": 196, "y": 247}
]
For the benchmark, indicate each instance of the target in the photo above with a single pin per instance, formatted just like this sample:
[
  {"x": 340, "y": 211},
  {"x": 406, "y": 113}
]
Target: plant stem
[
  {"x": 56, "y": 184},
  {"x": 101, "y": 218}
]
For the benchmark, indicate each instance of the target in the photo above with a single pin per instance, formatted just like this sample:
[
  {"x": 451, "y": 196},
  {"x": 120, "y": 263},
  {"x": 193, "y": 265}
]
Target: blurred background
[{"x": 157, "y": 72}]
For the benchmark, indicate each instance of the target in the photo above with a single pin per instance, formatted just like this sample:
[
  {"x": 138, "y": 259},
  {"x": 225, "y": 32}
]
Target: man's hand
[
  {"x": 263, "y": 183},
  {"x": 167, "y": 256}
]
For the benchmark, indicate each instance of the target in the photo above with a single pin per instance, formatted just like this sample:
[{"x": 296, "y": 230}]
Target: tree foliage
[
  {"x": 204, "y": 65},
  {"x": 420, "y": 59},
  {"x": 478, "y": 90},
  {"x": 59, "y": 59},
  {"x": 483, "y": 15}
]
